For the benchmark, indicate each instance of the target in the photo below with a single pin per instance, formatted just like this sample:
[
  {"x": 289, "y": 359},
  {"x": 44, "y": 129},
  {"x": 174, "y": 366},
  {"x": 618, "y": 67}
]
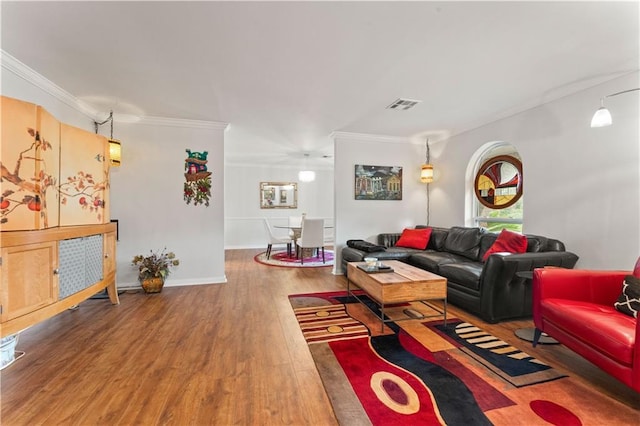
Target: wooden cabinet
[{"x": 45, "y": 272}]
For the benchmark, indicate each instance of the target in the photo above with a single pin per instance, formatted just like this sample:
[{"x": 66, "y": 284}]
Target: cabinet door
[
  {"x": 81, "y": 264},
  {"x": 84, "y": 177},
  {"x": 27, "y": 278},
  {"x": 20, "y": 207}
]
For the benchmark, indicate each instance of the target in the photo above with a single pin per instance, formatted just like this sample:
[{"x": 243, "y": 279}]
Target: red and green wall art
[{"x": 197, "y": 185}]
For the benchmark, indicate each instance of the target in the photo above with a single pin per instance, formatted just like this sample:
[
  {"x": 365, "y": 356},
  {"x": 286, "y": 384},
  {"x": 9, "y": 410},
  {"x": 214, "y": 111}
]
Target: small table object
[
  {"x": 527, "y": 333},
  {"x": 405, "y": 284}
]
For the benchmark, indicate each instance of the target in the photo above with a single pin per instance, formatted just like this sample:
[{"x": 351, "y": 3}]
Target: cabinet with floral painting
[
  {"x": 53, "y": 174},
  {"x": 54, "y": 190}
]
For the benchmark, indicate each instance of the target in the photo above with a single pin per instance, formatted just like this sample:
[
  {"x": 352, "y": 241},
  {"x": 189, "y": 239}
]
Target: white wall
[
  {"x": 147, "y": 199},
  {"x": 243, "y": 216},
  {"x": 581, "y": 185},
  {"x": 365, "y": 219}
]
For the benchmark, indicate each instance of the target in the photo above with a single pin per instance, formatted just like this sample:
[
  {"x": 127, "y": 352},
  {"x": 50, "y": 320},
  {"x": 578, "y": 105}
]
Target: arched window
[{"x": 497, "y": 184}]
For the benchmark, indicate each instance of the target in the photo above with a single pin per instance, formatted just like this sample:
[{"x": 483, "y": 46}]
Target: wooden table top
[{"x": 402, "y": 273}]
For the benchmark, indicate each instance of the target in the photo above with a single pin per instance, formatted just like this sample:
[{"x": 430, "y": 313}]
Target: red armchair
[{"x": 576, "y": 308}]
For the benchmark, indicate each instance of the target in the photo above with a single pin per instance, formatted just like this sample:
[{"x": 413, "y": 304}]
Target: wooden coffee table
[{"x": 405, "y": 284}]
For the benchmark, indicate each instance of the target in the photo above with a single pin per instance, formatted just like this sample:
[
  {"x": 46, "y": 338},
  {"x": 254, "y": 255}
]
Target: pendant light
[{"x": 602, "y": 116}]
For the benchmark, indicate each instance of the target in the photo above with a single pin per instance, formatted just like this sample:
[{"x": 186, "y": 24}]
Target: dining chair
[
  {"x": 272, "y": 239},
  {"x": 295, "y": 222},
  {"x": 312, "y": 237}
]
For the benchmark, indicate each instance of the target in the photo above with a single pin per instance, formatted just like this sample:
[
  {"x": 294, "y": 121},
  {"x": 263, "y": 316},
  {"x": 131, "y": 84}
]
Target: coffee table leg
[
  {"x": 445, "y": 312},
  {"x": 382, "y": 318}
]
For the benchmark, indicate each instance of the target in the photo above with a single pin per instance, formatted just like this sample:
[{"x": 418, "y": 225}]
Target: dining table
[{"x": 297, "y": 231}]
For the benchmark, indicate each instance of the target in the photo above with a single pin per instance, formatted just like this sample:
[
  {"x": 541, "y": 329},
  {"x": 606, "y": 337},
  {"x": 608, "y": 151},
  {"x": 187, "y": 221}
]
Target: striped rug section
[
  {"x": 481, "y": 339},
  {"x": 510, "y": 363},
  {"x": 321, "y": 324}
]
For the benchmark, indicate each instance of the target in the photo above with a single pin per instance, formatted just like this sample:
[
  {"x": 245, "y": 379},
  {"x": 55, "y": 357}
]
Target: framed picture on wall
[{"x": 378, "y": 182}]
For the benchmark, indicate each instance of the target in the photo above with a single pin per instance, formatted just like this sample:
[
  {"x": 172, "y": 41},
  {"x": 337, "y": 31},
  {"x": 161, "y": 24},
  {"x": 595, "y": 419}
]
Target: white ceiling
[{"x": 286, "y": 75}]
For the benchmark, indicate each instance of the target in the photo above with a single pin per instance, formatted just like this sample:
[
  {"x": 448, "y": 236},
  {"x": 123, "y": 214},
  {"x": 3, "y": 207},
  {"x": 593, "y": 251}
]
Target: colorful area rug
[
  {"x": 281, "y": 258},
  {"x": 419, "y": 372}
]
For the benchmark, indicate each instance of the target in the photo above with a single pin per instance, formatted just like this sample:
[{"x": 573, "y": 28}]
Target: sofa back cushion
[
  {"x": 463, "y": 241},
  {"x": 438, "y": 237}
]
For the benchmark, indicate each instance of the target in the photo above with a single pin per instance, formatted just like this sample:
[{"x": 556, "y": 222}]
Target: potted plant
[{"x": 154, "y": 268}]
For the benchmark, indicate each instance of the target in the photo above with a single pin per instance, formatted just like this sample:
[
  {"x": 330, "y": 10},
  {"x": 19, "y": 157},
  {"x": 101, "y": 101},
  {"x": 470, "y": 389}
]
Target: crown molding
[
  {"x": 364, "y": 137},
  {"x": 11, "y": 64},
  {"x": 181, "y": 122}
]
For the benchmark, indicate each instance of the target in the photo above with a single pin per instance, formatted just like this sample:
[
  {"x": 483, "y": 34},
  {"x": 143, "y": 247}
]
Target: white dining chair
[
  {"x": 312, "y": 237},
  {"x": 272, "y": 239},
  {"x": 295, "y": 223}
]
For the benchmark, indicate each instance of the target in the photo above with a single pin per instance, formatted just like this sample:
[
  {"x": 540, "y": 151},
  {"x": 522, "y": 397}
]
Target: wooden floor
[{"x": 217, "y": 354}]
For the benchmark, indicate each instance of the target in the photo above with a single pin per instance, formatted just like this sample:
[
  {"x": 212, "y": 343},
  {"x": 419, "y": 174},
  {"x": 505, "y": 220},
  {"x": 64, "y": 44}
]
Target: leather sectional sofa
[{"x": 495, "y": 290}]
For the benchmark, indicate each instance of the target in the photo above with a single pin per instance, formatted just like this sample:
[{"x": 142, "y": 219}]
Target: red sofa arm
[{"x": 601, "y": 287}]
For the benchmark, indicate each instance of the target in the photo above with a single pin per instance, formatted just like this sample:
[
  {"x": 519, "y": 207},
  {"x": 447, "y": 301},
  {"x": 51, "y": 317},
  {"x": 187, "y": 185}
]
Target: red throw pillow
[
  {"x": 414, "y": 238},
  {"x": 636, "y": 269},
  {"x": 507, "y": 241}
]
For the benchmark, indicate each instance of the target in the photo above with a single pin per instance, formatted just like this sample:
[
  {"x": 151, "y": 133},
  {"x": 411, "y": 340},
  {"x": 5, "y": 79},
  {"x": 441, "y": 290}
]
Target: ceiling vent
[{"x": 403, "y": 104}]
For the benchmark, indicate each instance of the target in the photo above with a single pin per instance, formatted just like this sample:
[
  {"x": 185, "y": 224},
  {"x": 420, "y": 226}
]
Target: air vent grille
[{"x": 403, "y": 104}]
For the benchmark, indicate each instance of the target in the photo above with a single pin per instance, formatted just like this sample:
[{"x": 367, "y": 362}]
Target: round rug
[{"x": 280, "y": 258}]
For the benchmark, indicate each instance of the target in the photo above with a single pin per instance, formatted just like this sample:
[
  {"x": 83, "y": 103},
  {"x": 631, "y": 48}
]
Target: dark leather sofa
[{"x": 496, "y": 290}]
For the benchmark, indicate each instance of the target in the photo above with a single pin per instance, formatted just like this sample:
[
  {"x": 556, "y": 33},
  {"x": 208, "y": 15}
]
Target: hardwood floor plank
[{"x": 221, "y": 354}]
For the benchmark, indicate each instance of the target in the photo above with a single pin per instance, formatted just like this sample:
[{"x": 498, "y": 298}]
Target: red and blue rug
[
  {"x": 421, "y": 372},
  {"x": 281, "y": 258}
]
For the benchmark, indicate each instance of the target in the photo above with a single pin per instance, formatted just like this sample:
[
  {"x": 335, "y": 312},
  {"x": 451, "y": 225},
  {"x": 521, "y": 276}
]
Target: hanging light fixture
[
  {"x": 426, "y": 172},
  {"x": 602, "y": 116},
  {"x": 115, "y": 148},
  {"x": 306, "y": 175}
]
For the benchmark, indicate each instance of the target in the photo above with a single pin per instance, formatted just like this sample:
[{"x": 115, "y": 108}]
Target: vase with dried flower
[{"x": 154, "y": 269}]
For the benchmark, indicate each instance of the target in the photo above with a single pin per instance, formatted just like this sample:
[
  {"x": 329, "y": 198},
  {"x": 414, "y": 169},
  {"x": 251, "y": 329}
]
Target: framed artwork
[
  {"x": 498, "y": 183},
  {"x": 278, "y": 195},
  {"x": 378, "y": 182}
]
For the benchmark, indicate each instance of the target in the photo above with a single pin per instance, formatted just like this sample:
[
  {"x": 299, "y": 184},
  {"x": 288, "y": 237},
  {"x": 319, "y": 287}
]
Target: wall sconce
[
  {"x": 426, "y": 172},
  {"x": 115, "y": 148},
  {"x": 426, "y": 176},
  {"x": 602, "y": 117}
]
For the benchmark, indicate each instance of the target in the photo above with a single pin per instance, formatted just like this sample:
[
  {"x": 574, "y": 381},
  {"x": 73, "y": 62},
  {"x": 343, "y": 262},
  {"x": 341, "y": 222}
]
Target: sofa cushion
[
  {"x": 507, "y": 242},
  {"x": 534, "y": 245},
  {"x": 431, "y": 260},
  {"x": 466, "y": 274},
  {"x": 396, "y": 253},
  {"x": 629, "y": 301},
  {"x": 614, "y": 334},
  {"x": 636, "y": 269},
  {"x": 438, "y": 237},
  {"x": 414, "y": 238},
  {"x": 463, "y": 241}
]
